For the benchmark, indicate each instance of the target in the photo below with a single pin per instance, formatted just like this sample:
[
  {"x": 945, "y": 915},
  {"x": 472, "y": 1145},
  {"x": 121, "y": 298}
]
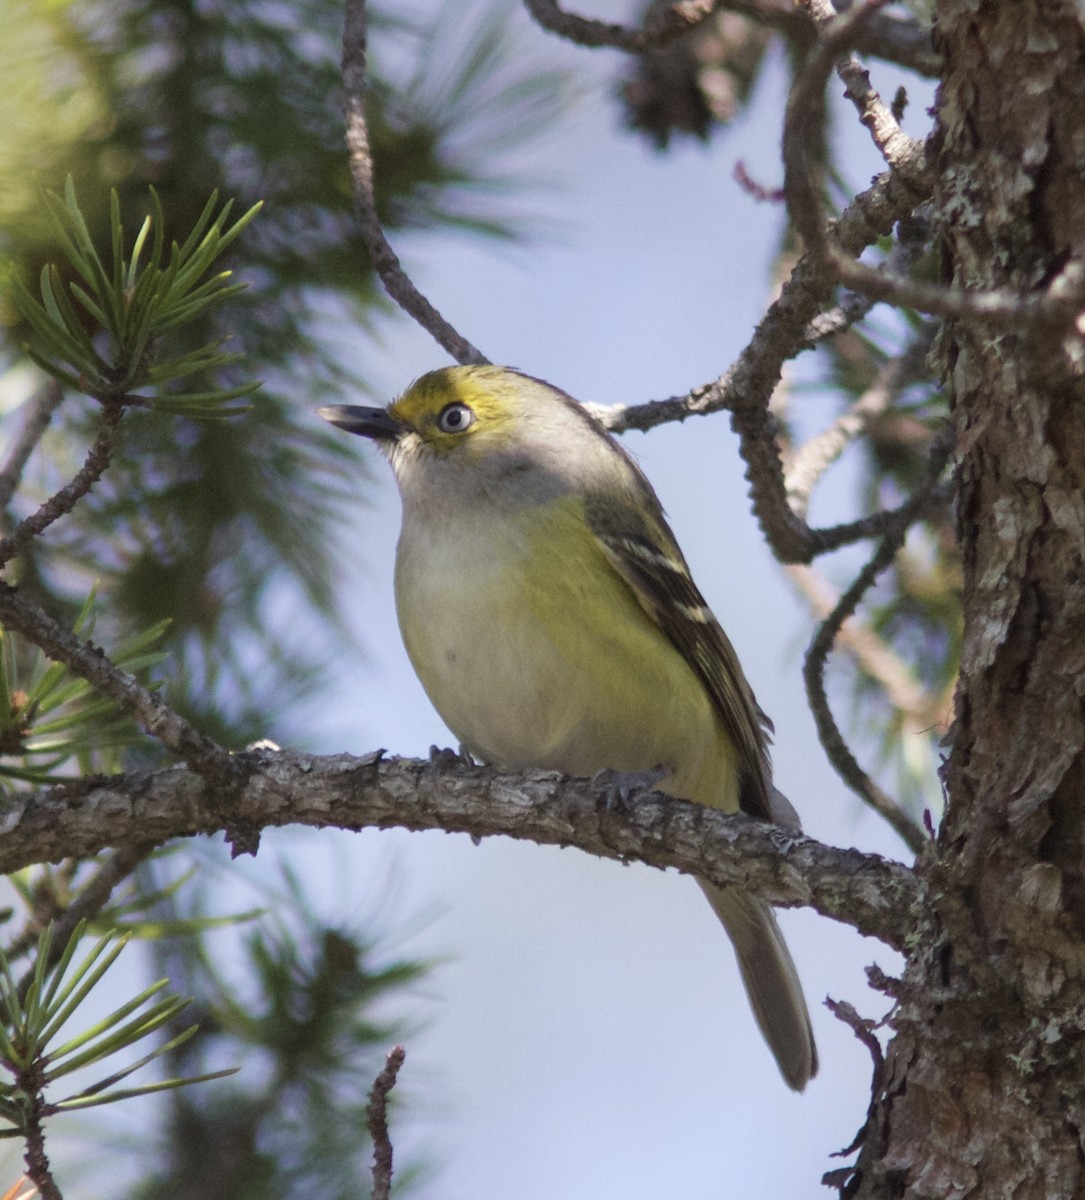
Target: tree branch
[
  {"x": 40, "y": 411},
  {"x": 66, "y": 499},
  {"x": 809, "y": 461},
  {"x": 863, "y": 890},
  {"x": 874, "y": 656},
  {"x": 894, "y": 37},
  {"x": 148, "y": 709},
  {"x": 676, "y": 19},
  {"x": 1060, "y": 303},
  {"x": 387, "y": 265},
  {"x": 839, "y": 752},
  {"x": 376, "y": 1120},
  {"x": 901, "y": 152},
  {"x": 747, "y": 387},
  {"x": 86, "y": 904}
]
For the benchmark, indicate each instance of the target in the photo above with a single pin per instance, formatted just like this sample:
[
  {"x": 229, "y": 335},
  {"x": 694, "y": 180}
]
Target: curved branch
[
  {"x": 387, "y": 265},
  {"x": 39, "y": 413},
  {"x": 87, "y": 661},
  {"x": 676, "y": 19},
  {"x": 747, "y": 387},
  {"x": 839, "y": 752},
  {"x": 894, "y": 37},
  {"x": 872, "y": 894},
  {"x": 66, "y": 499},
  {"x": 900, "y": 151},
  {"x": 1060, "y": 304}
]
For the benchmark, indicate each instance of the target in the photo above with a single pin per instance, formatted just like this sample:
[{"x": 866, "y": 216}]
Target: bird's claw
[{"x": 617, "y": 790}]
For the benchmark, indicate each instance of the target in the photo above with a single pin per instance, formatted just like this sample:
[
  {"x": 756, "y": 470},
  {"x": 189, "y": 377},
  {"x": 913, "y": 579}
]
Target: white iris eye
[{"x": 455, "y": 418}]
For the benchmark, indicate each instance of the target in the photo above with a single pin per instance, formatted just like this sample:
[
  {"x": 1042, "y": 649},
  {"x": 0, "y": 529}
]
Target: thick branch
[{"x": 872, "y": 894}]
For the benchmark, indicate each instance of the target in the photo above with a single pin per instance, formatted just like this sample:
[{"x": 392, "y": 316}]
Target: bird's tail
[{"x": 771, "y": 981}]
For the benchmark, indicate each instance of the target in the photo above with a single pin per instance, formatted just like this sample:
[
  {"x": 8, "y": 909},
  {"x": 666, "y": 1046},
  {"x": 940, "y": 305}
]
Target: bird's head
[{"x": 494, "y": 424}]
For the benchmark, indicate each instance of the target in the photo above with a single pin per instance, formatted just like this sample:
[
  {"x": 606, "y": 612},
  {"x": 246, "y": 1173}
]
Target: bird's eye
[{"x": 455, "y": 418}]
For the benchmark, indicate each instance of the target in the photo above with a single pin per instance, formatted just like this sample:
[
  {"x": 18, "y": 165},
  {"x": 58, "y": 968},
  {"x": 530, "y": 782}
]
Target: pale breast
[{"x": 539, "y": 655}]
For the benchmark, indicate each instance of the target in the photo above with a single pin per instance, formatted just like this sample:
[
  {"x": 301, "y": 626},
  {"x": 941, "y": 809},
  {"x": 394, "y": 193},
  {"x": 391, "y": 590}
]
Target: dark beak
[{"x": 373, "y": 423}]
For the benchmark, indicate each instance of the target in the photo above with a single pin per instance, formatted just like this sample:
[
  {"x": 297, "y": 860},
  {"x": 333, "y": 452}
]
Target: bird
[{"x": 552, "y": 619}]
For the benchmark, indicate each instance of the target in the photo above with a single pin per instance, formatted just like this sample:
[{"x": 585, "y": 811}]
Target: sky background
[{"x": 586, "y": 1034}]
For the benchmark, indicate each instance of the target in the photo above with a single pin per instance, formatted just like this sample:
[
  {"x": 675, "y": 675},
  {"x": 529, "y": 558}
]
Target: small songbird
[{"x": 552, "y": 620}]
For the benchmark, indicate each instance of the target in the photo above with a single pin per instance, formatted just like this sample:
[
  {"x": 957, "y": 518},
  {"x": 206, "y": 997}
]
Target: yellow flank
[{"x": 537, "y": 653}]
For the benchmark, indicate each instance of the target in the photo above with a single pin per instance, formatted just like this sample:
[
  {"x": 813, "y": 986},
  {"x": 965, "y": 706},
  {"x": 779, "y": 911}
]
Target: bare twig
[
  {"x": 809, "y": 462},
  {"x": 387, "y": 265},
  {"x": 903, "y": 691},
  {"x": 839, "y": 752},
  {"x": 895, "y": 37},
  {"x": 852, "y": 308},
  {"x": 747, "y": 387},
  {"x": 805, "y": 114},
  {"x": 78, "y": 820},
  {"x": 898, "y": 38},
  {"x": 376, "y": 1120},
  {"x": 900, "y": 151},
  {"x": 863, "y": 1028},
  {"x": 39, "y": 413},
  {"x": 87, "y": 661},
  {"x": 1061, "y": 303},
  {"x": 65, "y": 500},
  {"x": 678, "y": 18}
]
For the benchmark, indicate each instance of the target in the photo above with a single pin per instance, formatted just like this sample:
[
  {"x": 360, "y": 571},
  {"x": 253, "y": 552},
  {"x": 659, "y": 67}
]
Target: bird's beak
[{"x": 375, "y": 423}]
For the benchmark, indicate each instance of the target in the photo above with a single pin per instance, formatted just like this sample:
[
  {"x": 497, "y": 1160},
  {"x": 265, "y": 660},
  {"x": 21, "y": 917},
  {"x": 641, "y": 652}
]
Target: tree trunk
[{"x": 984, "y": 1086}]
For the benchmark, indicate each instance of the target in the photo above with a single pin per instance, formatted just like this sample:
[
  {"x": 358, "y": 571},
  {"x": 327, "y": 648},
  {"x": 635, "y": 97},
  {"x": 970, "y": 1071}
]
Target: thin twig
[
  {"x": 895, "y": 37},
  {"x": 676, "y": 19},
  {"x": 809, "y": 462},
  {"x": 87, "y": 661},
  {"x": 863, "y": 1028},
  {"x": 747, "y": 387},
  {"x": 877, "y": 659},
  {"x": 840, "y": 754},
  {"x": 37, "y": 1161},
  {"x": 901, "y": 152},
  {"x": 89, "y": 901},
  {"x": 837, "y": 749},
  {"x": 805, "y": 115},
  {"x": 65, "y": 500},
  {"x": 850, "y": 311},
  {"x": 387, "y": 265},
  {"x": 376, "y": 1121},
  {"x": 39, "y": 413},
  {"x": 1061, "y": 303}
]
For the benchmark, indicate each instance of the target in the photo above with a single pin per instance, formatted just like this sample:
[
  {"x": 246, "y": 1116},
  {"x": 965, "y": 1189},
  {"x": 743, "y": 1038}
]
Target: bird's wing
[{"x": 643, "y": 551}]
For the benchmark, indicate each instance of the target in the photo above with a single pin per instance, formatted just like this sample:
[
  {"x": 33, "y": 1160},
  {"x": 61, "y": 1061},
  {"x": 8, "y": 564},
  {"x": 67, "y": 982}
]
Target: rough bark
[
  {"x": 280, "y": 788},
  {"x": 984, "y": 1088}
]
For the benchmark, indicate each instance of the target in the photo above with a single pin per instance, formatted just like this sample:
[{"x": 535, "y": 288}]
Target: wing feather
[{"x": 643, "y": 551}]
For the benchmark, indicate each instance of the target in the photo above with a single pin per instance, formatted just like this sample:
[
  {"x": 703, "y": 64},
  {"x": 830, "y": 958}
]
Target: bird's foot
[{"x": 618, "y": 790}]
